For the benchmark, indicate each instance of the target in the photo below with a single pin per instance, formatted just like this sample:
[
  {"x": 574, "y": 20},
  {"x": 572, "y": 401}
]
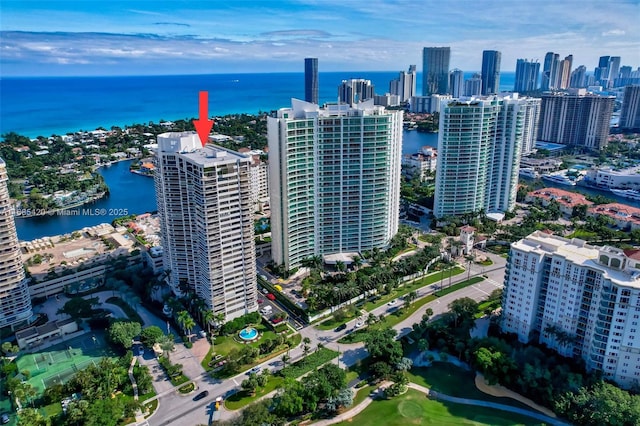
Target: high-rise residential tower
[
  {"x": 334, "y": 175},
  {"x": 405, "y": 85},
  {"x": 479, "y": 146},
  {"x": 564, "y": 73},
  {"x": 311, "y": 80},
  {"x": 578, "y": 77},
  {"x": 491, "y": 72},
  {"x": 577, "y": 118},
  {"x": 355, "y": 90},
  {"x": 456, "y": 83},
  {"x": 206, "y": 217},
  {"x": 630, "y": 113},
  {"x": 473, "y": 85},
  {"x": 527, "y": 73},
  {"x": 530, "y": 125},
  {"x": 578, "y": 300},
  {"x": 15, "y": 303},
  {"x": 435, "y": 70},
  {"x": 550, "y": 71}
]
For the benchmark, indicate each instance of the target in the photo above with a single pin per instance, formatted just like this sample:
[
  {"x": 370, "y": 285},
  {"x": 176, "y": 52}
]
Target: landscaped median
[
  {"x": 332, "y": 322},
  {"x": 403, "y": 312},
  {"x": 297, "y": 369}
]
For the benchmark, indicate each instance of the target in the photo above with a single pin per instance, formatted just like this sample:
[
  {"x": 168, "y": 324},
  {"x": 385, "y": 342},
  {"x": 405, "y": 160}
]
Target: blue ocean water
[
  {"x": 57, "y": 105},
  {"x": 44, "y": 106}
]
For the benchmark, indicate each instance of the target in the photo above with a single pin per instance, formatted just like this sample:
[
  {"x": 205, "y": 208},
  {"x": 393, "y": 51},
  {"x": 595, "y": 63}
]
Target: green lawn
[
  {"x": 362, "y": 394},
  {"x": 242, "y": 399},
  {"x": 455, "y": 381},
  {"x": 413, "y": 408},
  {"x": 458, "y": 286}
]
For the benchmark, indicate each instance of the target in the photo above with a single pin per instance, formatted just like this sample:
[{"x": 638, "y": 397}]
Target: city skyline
[{"x": 118, "y": 38}]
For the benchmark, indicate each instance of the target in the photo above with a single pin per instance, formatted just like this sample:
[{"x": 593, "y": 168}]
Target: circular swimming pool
[{"x": 248, "y": 334}]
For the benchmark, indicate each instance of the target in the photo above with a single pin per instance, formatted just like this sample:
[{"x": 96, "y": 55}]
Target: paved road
[{"x": 181, "y": 410}]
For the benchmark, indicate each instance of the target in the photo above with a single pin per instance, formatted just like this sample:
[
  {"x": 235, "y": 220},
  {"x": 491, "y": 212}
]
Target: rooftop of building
[
  {"x": 304, "y": 110},
  {"x": 210, "y": 155},
  {"x": 563, "y": 197},
  {"x": 578, "y": 252},
  {"x": 618, "y": 211}
]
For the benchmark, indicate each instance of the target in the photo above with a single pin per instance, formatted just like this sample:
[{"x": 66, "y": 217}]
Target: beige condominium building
[
  {"x": 206, "y": 216},
  {"x": 579, "y": 300},
  {"x": 15, "y": 303}
]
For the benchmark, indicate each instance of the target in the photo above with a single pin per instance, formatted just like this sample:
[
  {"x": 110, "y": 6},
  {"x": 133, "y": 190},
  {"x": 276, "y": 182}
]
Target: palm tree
[
  {"x": 356, "y": 262},
  {"x": 183, "y": 319},
  {"x": 285, "y": 358},
  {"x": 189, "y": 323},
  {"x": 340, "y": 267},
  {"x": 166, "y": 344},
  {"x": 207, "y": 316}
]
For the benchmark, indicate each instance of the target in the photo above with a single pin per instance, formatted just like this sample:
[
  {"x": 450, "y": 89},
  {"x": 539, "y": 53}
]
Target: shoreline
[{"x": 56, "y": 212}]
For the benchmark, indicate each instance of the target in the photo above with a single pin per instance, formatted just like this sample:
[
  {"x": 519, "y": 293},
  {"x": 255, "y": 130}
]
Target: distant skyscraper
[
  {"x": 473, "y": 85},
  {"x": 564, "y": 73},
  {"x": 435, "y": 70},
  {"x": 206, "y": 219},
  {"x": 630, "y": 114},
  {"x": 479, "y": 146},
  {"x": 456, "y": 83},
  {"x": 526, "y": 75},
  {"x": 311, "y": 80},
  {"x": 614, "y": 69},
  {"x": 355, "y": 90},
  {"x": 334, "y": 176},
  {"x": 490, "y": 72},
  {"x": 550, "y": 71},
  {"x": 578, "y": 77},
  {"x": 15, "y": 303},
  {"x": 601, "y": 73},
  {"x": 576, "y": 119},
  {"x": 405, "y": 85}
]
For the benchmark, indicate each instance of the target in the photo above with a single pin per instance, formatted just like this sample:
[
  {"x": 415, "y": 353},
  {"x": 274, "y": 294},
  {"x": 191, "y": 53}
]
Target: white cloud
[{"x": 613, "y": 33}]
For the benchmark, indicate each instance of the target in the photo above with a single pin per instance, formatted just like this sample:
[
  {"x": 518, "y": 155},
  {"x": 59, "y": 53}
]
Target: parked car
[
  {"x": 255, "y": 370},
  {"x": 277, "y": 320},
  {"x": 271, "y": 296},
  {"x": 264, "y": 290},
  {"x": 260, "y": 301},
  {"x": 4, "y": 418},
  {"x": 201, "y": 395},
  {"x": 341, "y": 327}
]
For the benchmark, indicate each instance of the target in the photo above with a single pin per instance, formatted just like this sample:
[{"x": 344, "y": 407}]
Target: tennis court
[{"x": 59, "y": 363}]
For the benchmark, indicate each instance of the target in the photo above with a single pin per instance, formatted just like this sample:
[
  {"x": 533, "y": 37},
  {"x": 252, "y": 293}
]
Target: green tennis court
[{"x": 58, "y": 363}]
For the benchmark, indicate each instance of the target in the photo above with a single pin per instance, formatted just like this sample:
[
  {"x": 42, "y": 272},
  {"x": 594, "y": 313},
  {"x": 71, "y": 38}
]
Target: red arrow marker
[{"x": 203, "y": 124}]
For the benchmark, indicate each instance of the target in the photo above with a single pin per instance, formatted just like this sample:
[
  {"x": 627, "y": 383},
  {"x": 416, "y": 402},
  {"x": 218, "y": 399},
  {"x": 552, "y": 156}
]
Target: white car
[
  {"x": 393, "y": 302},
  {"x": 359, "y": 324}
]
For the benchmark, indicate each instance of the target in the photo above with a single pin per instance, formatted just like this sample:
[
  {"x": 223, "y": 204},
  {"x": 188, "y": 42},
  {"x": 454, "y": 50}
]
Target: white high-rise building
[
  {"x": 334, "y": 176},
  {"x": 479, "y": 146},
  {"x": 531, "y": 120},
  {"x": 405, "y": 85},
  {"x": 579, "y": 300},
  {"x": 15, "y": 303},
  {"x": 206, "y": 216}
]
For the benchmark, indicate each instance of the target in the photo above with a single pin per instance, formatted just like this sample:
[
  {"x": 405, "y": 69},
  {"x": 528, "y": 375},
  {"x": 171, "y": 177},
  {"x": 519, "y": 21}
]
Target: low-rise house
[
  {"x": 566, "y": 199},
  {"x": 624, "y": 216}
]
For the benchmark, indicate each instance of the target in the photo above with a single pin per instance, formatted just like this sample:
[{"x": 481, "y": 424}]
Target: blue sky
[{"x": 108, "y": 37}]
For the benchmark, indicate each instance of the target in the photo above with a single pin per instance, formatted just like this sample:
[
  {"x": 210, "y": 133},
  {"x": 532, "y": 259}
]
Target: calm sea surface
[
  {"x": 57, "y": 105},
  {"x": 45, "y": 106}
]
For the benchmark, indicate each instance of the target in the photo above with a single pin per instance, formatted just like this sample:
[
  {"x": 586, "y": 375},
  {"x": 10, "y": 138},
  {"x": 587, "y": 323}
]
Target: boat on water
[
  {"x": 559, "y": 179},
  {"x": 529, "y": 173},
  {"x": 142, "y": 173},
  {"x": 627, "y": 193}
]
